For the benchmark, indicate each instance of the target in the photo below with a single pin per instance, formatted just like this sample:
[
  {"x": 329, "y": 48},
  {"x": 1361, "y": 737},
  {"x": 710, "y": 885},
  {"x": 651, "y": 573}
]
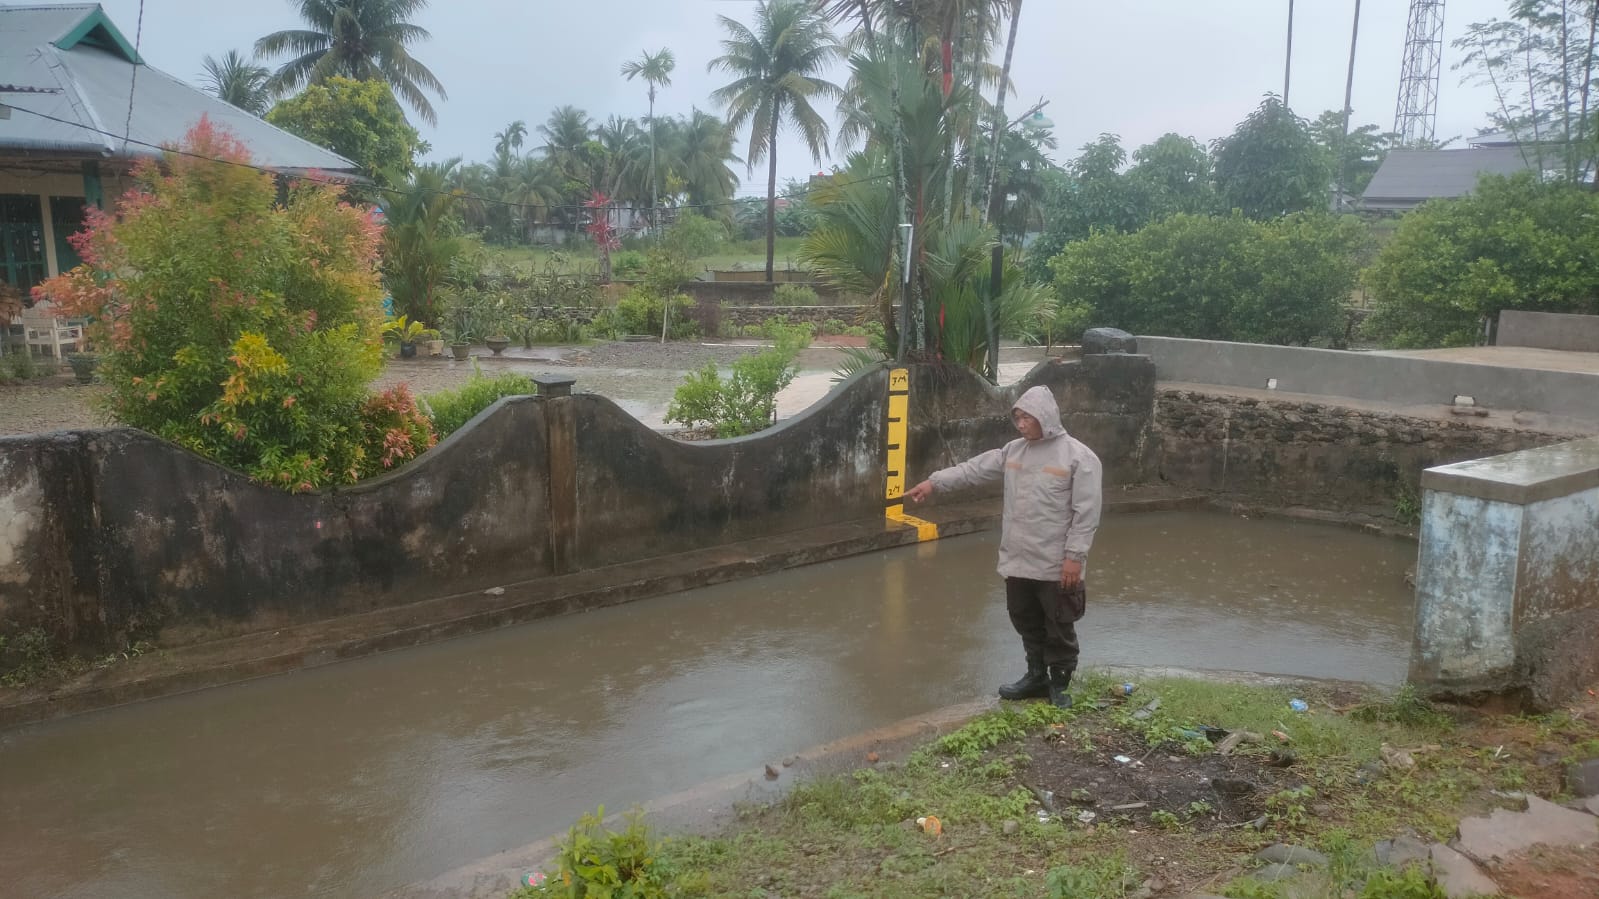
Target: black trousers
[{"x": 1045, "y": 615}]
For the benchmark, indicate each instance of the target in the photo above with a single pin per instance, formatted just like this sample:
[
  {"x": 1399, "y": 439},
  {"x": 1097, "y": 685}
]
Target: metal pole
[
  {"x": 1349, "y": 91},
  {"x": 1288, "y": 64},
  {"x": 907, "y": 233}
]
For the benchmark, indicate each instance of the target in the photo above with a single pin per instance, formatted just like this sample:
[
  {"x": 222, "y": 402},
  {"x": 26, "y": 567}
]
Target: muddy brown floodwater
[{"x": 357, "y": 778}]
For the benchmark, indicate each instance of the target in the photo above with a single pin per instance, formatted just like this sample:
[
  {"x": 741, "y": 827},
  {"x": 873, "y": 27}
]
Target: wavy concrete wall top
[{"x": 120, "y": 533}]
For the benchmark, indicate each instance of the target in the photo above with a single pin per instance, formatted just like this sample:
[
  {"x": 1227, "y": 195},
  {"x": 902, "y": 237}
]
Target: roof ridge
[{"x": 57, "y": 63}]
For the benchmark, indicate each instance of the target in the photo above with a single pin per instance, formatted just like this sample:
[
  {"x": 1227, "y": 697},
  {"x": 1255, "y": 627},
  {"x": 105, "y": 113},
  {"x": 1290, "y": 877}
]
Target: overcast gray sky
[{"x": 1137, "y": 69}]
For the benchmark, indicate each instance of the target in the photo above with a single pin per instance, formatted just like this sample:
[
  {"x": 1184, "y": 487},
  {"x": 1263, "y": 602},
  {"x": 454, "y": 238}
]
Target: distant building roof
[
  {"x": 1493, "y": 139},
  {"x": 1408, "y": 178},
  {"x": 72, "y": 64}
]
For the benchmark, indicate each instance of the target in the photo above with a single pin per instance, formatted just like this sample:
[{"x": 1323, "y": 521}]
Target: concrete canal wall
[{"x": 112, "y": 535}]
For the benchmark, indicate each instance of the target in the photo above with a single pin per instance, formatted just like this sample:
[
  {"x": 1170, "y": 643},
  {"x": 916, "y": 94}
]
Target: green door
[
  {"x": 21, "y": 241},
  {"x": 66, "y": 219}
]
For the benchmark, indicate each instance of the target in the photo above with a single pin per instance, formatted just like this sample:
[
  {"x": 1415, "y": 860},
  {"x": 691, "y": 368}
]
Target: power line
[
  {"x": 133, "y": 81},
  {"x": 404, "y": 192}
]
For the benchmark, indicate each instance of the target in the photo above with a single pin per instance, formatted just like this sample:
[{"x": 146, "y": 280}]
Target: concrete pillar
[
  {"x": 554, "y": 385},
  {"x": 560, "y": 421},
  {"x": 1508, "y": 572}
]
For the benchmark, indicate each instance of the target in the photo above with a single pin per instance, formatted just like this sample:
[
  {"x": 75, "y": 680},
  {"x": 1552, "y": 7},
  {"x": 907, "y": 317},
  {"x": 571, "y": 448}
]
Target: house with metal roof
[
  {"x": 1408, "y": 178},
  {"x": 78, "y": 108}
]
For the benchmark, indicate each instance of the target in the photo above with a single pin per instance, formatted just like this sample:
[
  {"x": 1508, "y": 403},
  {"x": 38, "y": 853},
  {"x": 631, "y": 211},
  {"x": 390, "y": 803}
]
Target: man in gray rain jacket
[{"x": 1052, "y": 503}]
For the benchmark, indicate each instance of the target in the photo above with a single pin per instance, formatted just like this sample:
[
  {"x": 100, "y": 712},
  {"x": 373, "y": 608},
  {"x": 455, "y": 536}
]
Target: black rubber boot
[
  {"x": 1033, "y": 685},
  {"x": 1060, "y": 680}
]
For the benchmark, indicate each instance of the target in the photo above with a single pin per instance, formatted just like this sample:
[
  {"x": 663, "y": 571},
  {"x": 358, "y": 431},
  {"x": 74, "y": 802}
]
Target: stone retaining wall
[{"x": 1309, "y": 454}]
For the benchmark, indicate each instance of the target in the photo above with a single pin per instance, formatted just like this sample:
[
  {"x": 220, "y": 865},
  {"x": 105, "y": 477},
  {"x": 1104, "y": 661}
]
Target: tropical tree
[
  {"x": 776, "y": 67},
  {"x": 699, "y": 162},
  {"x": 236, "y": 80},
  {"x": 421, "y": 240},
  {"x": 359, "y": 120},
  {"x": 1355, "y": 156},
  {"x": 1271, "y": 164},
  {"x": 361, "y": 39},
  {"x": 656, "y": 70},
  {"x": 1542, "y": 64},
  {"x": 508, "y": 143}
]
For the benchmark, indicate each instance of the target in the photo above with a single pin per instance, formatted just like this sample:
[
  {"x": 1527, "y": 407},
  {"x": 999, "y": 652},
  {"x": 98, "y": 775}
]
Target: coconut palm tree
[
  {"x": 699, "y": 150},
  {"x": 366, "y": 40},
  {"x": 656, "y": 70},
  {"x": 775, "y": 67},
  {"x": 565, "y": 132},
  {"x": 236, "y": 80}
]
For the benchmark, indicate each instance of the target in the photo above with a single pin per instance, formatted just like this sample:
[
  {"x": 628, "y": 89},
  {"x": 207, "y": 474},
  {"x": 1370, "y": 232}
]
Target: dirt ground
[{"x": 1205, "y": 792}]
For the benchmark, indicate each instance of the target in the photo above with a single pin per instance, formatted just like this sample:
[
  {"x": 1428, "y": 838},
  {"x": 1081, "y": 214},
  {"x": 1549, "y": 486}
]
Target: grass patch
[{"x": 1034, "y": 801}]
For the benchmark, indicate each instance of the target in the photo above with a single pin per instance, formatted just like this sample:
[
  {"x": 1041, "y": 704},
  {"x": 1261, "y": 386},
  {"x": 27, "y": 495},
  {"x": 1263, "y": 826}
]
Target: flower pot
[
  {"x": 435, "y": 348},
  {"x": 407, "y": 351},
  {"x": 497, "y": 345},
  {"x": 460, "y": 351},
  {"x": 83, "y": 366}
]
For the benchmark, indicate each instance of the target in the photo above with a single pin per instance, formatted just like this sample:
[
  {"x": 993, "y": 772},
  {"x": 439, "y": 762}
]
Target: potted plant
[
  {"x": 407, "y": 332},
  {"x": 497, "y": 339},
  {"x": 461, "y": 343},
  {"x": 434, "y": 341},
  {"x": 83, "y": 366}
]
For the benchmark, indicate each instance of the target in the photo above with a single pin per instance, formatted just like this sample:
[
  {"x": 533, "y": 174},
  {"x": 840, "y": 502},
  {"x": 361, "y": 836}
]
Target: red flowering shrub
[{"x": 243, "y": 329}]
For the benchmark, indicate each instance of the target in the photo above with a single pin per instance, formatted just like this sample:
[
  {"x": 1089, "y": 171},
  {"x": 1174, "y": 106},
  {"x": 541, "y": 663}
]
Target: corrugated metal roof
[
  {"x": 1406, "y": 178},
  {"x": 94, "y": 85}
]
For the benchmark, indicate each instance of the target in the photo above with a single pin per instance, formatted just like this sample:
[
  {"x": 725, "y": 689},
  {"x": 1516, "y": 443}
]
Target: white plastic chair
[{"x": 42, "y": 328}]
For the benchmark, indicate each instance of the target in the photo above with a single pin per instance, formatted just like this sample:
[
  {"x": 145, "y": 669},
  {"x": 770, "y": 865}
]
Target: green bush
[
  {"x": 639, "y": 312},
  {"x": 1513, "y": 244},
  {"x": 242, "y": 325},
  {"x": 832, "y": 326},
  {"x": 450, "y": 409},
  {"x": 1216, "y": 278},
  {"x": 20, "y": 363},
  {"x": 746, "y": 401},
  {"x": 795, "y": 295},
  {"x": 628, "y": 265}
]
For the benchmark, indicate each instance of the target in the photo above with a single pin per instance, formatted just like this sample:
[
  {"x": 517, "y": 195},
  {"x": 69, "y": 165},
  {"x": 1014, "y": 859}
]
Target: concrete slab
[
  {"x": 1526, "y": 477},
  {"x": 1507, "y": 357},
  {"x": 1504, "y": 833},
  {"x": 1458, "y": 876}
]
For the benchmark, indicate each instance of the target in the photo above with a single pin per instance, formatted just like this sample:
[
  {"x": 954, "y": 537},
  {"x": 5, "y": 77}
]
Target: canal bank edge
[{"x": 704, "y": 808}]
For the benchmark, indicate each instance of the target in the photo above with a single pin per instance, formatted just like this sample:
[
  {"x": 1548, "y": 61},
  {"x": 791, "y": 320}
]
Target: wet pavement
[{"x": 357, "y": 778}]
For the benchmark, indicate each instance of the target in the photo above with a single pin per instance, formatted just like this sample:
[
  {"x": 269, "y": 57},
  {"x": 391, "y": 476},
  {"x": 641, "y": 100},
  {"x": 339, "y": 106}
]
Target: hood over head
[{"x": 1040, "y": 404}]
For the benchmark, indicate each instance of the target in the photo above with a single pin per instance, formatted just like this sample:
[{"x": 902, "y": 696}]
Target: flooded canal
[{"x": 361, "y": 777}]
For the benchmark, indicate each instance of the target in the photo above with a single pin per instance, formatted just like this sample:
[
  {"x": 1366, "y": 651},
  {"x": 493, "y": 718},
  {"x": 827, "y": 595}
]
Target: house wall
[{"x": 17, "y": 178}]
